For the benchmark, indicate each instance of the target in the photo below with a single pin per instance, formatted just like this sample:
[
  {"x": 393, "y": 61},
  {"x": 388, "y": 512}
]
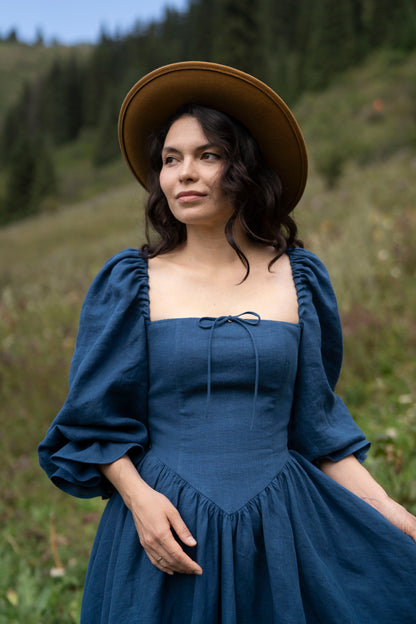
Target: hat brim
[{"x": 158, "y": 95}]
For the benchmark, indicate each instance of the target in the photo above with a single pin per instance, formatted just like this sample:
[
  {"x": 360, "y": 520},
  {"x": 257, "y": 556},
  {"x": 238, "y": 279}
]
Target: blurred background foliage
[{"x": 68, "y": 202}]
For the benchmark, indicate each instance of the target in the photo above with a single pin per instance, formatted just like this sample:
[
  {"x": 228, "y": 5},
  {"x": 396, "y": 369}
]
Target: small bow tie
[{"x": 210, "y": 322}]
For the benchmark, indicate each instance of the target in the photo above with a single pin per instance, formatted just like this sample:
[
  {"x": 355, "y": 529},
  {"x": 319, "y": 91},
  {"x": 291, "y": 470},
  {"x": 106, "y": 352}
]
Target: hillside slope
[{"x": 20, "y": 62}]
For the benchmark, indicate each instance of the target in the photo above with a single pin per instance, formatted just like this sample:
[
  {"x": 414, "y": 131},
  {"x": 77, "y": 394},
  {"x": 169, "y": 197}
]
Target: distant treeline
[{"x": 293, "y": 45}]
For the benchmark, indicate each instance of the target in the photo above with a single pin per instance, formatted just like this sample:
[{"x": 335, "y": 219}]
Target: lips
[{"x": 188, "y": 196}]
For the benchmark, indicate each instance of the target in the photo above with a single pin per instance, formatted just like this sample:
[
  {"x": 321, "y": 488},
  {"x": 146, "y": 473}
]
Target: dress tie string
[{"x": 211, "y": 322}]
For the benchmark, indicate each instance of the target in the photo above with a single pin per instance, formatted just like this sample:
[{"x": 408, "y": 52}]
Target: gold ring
[{"x": 160, "y": 559}]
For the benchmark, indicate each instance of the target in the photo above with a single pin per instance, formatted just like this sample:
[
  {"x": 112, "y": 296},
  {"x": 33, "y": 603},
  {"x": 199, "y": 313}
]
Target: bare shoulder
[
  {"x": 278, "y": 294},
  {"x": 280, "y": 270},
  {"x": 284, "y": 271},
  {"x": 283, "y": 267},
  {"x": 160, "y": 262}
]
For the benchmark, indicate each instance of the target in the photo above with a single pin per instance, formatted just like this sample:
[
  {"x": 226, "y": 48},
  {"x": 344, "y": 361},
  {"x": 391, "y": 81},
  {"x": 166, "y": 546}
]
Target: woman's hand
[
  {"x": 154, "y": 517},
  {"x": 352, "y": 475},
  {"x": 395, "y": 513}
]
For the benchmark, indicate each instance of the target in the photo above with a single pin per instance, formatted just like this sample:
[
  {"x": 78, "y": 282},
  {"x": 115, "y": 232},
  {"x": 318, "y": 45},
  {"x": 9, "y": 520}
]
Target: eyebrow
[{"x": 200, "y": 148}]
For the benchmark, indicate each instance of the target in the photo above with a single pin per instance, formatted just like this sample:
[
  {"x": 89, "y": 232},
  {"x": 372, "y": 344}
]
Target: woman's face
[{"x": 191, "y": 174}]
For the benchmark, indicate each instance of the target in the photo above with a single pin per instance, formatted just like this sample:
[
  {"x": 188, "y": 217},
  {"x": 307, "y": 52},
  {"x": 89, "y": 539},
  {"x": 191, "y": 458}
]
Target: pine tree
[
  {"x": 59, "y": 99},
  {"x": 102, "y": 74},
  {"x": 403, "y": 31},
  {"x": 31, "y": 178},
  {"x": 330, "y": 44},
  {"x": 201, "y": 28},
  {"x": 20, "y": 180},
  {"x": 12, "y": 37},
  {"x": 238, "y": 39},
  {"x": 278, "y": 27},
  {"x": 106, "y": 146},
  {"x": 45, "y": 184}
]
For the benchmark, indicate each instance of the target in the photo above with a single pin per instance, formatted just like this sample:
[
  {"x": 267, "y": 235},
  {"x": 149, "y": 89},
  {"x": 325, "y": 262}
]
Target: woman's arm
[
  {"x": 352, "y": 475},
  {"x": 154, "y": 517}
]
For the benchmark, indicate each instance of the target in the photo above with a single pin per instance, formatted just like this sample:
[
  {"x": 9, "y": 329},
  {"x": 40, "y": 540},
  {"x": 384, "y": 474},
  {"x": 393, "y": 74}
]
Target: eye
[
  {"x": 210, "y": 156},
  {"x": 169, "y": 160}
]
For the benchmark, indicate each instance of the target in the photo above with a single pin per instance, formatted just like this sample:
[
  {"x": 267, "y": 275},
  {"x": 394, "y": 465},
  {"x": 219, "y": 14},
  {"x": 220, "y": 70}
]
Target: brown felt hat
[{"x": 157, "y": 96}]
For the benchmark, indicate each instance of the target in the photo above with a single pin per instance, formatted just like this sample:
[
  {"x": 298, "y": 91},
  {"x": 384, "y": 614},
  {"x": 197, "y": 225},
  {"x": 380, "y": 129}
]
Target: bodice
[{"x": 220, "y": 398}]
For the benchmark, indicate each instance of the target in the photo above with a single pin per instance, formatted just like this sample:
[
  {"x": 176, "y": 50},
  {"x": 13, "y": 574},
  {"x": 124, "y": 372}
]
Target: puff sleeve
[
  {"x": 320, "y": 426},
  {"x": 104, "y": 415}
]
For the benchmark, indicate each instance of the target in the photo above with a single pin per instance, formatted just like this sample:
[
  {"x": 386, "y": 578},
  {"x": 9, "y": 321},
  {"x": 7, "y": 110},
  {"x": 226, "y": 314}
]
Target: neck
[{"x": 210, "y": 248}]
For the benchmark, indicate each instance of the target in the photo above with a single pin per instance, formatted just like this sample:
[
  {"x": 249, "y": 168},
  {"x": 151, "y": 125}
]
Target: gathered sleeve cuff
[
  {"x": 321, "y": 426},
  {"x": 104, "y": 415}
]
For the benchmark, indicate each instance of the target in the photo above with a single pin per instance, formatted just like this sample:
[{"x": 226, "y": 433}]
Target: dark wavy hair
[{"x": 254, "y": 189}]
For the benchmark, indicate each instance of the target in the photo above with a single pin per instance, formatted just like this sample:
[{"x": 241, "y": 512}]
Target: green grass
[
  {"x": 363, "y": 227},
  {"x": 364, "y": 230},
  {"x": 367, "y": 116},
  {"x": 78, "y": 178},
  {"x": 46, "y": 265}
]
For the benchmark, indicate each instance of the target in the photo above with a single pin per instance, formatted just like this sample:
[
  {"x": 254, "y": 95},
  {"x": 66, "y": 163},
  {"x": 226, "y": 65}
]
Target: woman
[{"x": 201, "y": 390}]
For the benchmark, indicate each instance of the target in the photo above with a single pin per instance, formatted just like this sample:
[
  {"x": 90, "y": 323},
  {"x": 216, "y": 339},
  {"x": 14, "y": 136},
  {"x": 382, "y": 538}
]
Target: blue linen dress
[{"x": 227, "y": 417}]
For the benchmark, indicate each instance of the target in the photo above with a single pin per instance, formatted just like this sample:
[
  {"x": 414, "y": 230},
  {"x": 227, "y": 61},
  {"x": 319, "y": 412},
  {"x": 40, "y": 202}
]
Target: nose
[{"x": 188, "y": 170}]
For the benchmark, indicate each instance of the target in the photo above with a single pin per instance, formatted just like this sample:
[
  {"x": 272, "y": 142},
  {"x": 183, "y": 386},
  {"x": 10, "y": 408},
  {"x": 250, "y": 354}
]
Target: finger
[
  {"x": 166, "y": 548},
  {"x": 169, "y": 565},
  {"x": 177, "y": 559},
  {"x": 180, "y": 527},
  {"x": 161, "y": 564}
]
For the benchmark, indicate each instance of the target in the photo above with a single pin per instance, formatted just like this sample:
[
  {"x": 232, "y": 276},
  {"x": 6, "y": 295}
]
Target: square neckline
[{"x": 151, "y": 321}]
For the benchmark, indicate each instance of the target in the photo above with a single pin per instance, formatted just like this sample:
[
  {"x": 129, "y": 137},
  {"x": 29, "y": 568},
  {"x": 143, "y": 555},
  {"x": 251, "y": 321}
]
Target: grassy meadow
[{"x": 358, "y": 214}]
